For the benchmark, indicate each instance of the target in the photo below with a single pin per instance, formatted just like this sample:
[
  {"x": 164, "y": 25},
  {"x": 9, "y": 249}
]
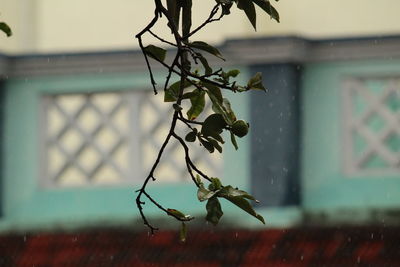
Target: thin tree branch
[
  {"x": 161, "y": 39},
  {"x": 207, "y": 21},
  {"x": 187, "y": 158},
  {"x": 189, "y": 161},
  {"x": 153, "y": 82},
  {"x": 186, "y": 121}
]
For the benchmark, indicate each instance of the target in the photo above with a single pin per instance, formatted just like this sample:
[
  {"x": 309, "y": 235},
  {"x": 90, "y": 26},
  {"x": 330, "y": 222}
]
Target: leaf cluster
[
  {"x": 215, "y": 191},
  {"x": 248, "y": 6}
]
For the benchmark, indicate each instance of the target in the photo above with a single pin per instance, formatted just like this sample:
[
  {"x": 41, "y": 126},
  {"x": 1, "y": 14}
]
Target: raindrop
[
  {"x": 302, "y": 257},
  {"x": 236, "y": 234},
  {"x": 74, "y": 239},
  {"x": 48, "y": 60},
  {"x": 358, "y": 259},
  {"x": 349, "y": 239},
  {"x": 24, "y": 238},
  {"x": 272, "y": 181},
  {"x": 284, "y": 169},
  {"x": 372, "y": 236},
  {"x": 280, "y": 129},
  {"x": 111, "y": 257}
]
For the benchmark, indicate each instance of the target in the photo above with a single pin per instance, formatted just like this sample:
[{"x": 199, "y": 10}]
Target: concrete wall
[{"x": 75, "y": 25}]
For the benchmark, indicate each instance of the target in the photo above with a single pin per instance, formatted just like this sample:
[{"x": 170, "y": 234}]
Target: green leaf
[
  {"x": 183, "y": 232},
  {"x": 189, "y": 95},
  {"x": 204, "y": 194},
  {"x": 223, "y": 108},
  {"x": 229, "y": 191},
  {"x": 198, "y": 102},
  {"x": 242, "y": 203},
  {"x": 206, "y": 47},
  {"x": 233, "y": 141},
  {"x": 186, "y": 16},
  {"x": 228, "y": 110},
  {"x": 179, "y": 215},
  {"x": 155, "y": 52},
  {"x": 255, "y": 82},
  {"x": 215, "y": 144},
  {"x": 214, "y": 211},
  {"x": 207, "y": 145},
  {"x": 226, "y": 6},
  {"x": 213, "y": 90},
  {"x": 215, "y": 184},
  {"x": 248, "y": 7},
  {"x": 213, "y": 126},
  {"x": 177, "y": 107},
  {"x": 172, "y": 92},
  {"x": 174, "y": 11},
  {"x": 5, "y": 28},
  {"x": 191, "y": 137},
  {"x": 198, "y": 180},
  {"x": 207, "y": 69},
  {"x": 218, "y": 108},
  {"x": 267, "y": 7},
  {"x": 225, "y": 76},
  {"x": 233, "y": 73}
]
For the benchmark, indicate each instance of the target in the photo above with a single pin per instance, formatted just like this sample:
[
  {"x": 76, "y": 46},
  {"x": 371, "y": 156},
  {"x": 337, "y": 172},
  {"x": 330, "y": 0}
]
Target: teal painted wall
[
  {"x": 27, "y": 205},
  {"x": 326, "y": 187}
]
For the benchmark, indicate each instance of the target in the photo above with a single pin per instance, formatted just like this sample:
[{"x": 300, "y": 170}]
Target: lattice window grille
[
  {"x": 372, "y": 125},
  {"x": 112, "y": 138},
  {"x": 87, "y": 139}
]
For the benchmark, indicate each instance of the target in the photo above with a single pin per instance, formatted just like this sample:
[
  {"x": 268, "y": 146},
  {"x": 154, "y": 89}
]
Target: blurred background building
[{"x": 80, "y": 128}]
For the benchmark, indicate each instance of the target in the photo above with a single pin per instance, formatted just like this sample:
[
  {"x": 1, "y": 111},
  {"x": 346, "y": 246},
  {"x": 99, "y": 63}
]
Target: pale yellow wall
[
  {"x": 21, "y": 16},
  {"x": 335, "y": 18},
  {"x": 75, "y": 25}
]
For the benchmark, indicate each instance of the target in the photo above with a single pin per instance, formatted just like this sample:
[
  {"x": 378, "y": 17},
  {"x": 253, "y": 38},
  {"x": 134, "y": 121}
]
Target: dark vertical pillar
[
  {"x": 275, "y": 136},
  {"x": 2, "y": 95}
]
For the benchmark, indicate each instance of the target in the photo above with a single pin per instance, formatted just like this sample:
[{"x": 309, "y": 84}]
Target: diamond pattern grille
[
  {"x": 86, "y": 139},
  {"x": 111, "y": 138},
  {"x": 372, "y": 125}
]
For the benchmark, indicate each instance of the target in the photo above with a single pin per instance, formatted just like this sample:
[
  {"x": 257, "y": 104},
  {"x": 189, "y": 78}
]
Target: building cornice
[{"x": 238, "y": 52}]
